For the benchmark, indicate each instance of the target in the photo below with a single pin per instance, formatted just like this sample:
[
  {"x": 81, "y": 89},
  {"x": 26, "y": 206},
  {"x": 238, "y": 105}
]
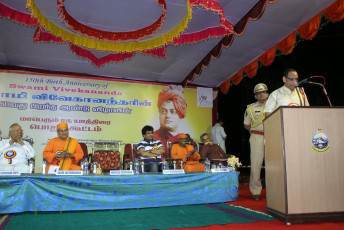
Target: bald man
[
  {"x": 63, "y": 150},
  {"x": 187, "y": 153},
  {"x": 14, "y": 152}
]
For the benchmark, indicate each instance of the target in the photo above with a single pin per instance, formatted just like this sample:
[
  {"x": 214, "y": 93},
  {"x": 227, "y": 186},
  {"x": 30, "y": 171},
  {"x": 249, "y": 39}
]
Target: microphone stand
[{"x": 325, "y": 92}]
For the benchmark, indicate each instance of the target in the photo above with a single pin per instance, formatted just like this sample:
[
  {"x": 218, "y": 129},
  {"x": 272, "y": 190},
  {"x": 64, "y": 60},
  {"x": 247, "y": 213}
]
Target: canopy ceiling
[{"x": 171, "y": 64}]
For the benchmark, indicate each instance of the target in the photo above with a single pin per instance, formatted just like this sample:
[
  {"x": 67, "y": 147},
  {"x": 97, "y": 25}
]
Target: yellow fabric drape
[{"x": 105, "y": 45}]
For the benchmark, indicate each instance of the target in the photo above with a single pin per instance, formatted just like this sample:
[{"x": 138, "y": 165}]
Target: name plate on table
[
  {"x": 9, "y": 173},
  {"x": 220, "y": 170},
  {"x": 121, "y": 172},
  {"x": 173, "y": 171},
  {"x": 69, "y": 173}
]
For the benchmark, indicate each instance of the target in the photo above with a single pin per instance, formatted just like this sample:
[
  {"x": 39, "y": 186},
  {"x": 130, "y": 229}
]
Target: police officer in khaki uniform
[{"x": 253, "y": 122}]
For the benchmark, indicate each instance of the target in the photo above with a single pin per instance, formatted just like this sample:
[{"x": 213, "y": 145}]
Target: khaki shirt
[{"x": 254, "y": 115}]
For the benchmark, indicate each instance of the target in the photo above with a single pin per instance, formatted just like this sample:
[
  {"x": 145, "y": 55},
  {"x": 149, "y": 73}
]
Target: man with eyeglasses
[
  {"x": 212, "y": 151},
  {"x": 15, "y": 152},
  {"x": 63, "y": 151},
  {"x": 287, "y": 95},
  {"x": 253, "y": 122}
]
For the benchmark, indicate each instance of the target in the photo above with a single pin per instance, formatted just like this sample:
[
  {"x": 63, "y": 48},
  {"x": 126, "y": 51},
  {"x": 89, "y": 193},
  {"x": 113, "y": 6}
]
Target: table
[{"x": 37, "y": 192}]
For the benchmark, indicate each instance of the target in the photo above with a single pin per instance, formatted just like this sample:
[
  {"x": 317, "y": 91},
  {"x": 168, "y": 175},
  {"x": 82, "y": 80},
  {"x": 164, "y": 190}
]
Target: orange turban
[
  {"x": 175, "y": 94},
  {"x": 182, "y": 135},
  {"x": 62, "y": 125}
]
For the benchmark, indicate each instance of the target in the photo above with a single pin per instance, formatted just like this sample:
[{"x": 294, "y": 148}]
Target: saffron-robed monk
[{"x": 63, "y": 150}]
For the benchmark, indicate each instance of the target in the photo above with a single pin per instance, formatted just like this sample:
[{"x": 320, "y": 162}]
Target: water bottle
[
  {"x": 82, "y": 164},
  {"x": 174, "y": 164},
  {"x": 94, "y": 171},
  {"x": 181, "y": 164},
  {"x": 207, "y": 165},
  {"x": 164, "y": 164},
  {"x": 142, "y": 166},
  {"x": 31, "y": 165},
  {"x": 130, "y": 165},
  {"x": 137, "y": 166},
  {"x": 85, "y": 167},
  {"x": 44, "y": 166}
]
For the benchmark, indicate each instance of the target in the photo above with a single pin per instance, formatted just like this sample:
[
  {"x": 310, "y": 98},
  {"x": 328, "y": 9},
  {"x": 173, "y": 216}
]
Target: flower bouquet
[{"x": 234, "y": 163}]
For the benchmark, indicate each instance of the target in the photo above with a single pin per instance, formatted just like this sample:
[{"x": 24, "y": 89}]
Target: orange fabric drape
[
  {"x": 268, "y": 57},
  {"x": 310, "y": 29},
  {"x": 335, "y": 12},
  {"x": 224, "y": 87},
  {"x": 251, "y": 69},
  {"x": 287, "y": 45},
  {"x": 236, "y": 79}
]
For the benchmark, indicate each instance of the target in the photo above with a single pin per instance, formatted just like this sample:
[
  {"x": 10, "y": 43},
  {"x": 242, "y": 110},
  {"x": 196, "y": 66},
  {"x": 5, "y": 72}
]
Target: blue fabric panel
[{"x": 72, "y": 193}]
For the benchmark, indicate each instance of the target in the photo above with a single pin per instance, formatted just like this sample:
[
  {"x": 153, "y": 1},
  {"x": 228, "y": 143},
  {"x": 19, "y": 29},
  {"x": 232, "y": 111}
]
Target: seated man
[
  {"x": 213, "y": 151},
  {"x": 63, "y": 150},
  {"x": 150, "y": 150},
  {"x": 187, "y": 153},
  {"x": 190, "y": 141},
  {"x": 15, "y": 153}
]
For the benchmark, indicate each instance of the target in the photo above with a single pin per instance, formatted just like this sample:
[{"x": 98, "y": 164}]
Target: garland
[
  {"x": 17, "y": 16},
  {"x": 225, "y": 28},
  {"x": 108, "y": 46},
  {"x": 73, "y": 24},
  {"x": 86, "y": 54},
  {"x": 215, "y": 7}
]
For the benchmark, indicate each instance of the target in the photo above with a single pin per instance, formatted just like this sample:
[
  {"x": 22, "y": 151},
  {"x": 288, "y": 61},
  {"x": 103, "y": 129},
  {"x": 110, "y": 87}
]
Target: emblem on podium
[{"x": 320, "y": 141}]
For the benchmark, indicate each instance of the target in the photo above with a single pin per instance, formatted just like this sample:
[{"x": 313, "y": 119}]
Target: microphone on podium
[{"x": 297, "y": 84}]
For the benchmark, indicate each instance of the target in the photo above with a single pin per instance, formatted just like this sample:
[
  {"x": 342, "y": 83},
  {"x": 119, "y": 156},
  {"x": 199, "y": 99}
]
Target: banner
[{"x": 96, "y": 109}]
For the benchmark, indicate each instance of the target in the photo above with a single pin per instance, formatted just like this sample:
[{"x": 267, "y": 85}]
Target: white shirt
[
  {"x": 284, "y": 97},
  {"x": 218, "y": 135},
  {"x": 17, "y": 156}
]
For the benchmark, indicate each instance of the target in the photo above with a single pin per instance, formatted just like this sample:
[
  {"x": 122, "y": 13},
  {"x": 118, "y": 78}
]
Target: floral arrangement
[
  {"x": 233, "y": 162},
  {"x": 99, "y": 170}
]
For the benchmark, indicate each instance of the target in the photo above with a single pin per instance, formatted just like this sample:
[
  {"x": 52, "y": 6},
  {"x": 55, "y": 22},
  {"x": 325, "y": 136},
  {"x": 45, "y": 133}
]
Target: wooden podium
[{"x": 304, "y": 176}]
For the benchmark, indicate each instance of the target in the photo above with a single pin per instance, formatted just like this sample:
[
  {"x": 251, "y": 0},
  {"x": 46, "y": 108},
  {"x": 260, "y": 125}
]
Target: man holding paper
[
  {"x": 187, "y": 153},
  {"x": 63, "y": 151}
]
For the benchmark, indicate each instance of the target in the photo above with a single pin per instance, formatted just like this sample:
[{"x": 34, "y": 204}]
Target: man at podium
[
  {"x": 253, "y": 122},
  {"x": 287, "y": 95}
]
